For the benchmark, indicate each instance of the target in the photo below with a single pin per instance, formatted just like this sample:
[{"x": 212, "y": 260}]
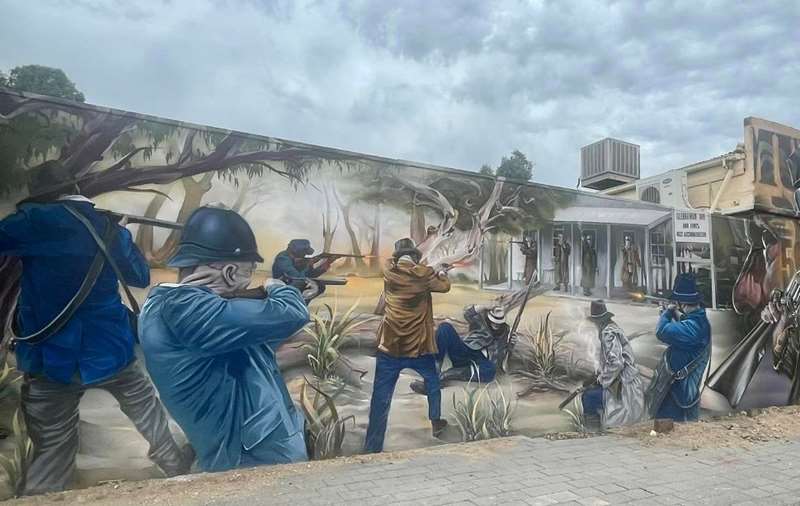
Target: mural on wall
[
  {"x": 774, "y": 153},
  {"x": 316, "y": 303}
]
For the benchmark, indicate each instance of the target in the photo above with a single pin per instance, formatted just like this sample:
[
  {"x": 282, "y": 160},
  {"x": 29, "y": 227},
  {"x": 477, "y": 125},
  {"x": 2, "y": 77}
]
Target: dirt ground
[{"x": 737, "y": 430}]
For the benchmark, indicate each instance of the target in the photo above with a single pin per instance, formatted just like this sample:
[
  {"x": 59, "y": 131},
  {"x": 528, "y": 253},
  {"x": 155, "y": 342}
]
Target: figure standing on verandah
[
  {"x": 561, "y": 252},
  {"x": 212, "y": 355},
  {"x": 631, "y": 263},
  {"x": 406, "y": 338},
  {"x": 615, "y": 397},
  {"x": 588, "y": 265},
  {"x": 530, "y": 250},
  {"x": 478, "y": 355},
  {"x": 675, "y": 390}
]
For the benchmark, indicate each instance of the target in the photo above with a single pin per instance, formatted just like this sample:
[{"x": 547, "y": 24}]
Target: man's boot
[
  {"x": 592, "y": 422},
  {"x": 438, "y": 427}
]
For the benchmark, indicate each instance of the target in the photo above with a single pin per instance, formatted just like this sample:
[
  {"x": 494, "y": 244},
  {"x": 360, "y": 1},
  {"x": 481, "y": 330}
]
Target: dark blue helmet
[
  {"x": 685, "y": 290},
  {"x": 213, "y": 235},
  {"x": 300, "y": 247}
]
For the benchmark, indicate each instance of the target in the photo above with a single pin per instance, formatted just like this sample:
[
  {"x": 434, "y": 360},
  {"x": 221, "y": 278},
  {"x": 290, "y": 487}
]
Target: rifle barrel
[{"x": 144, "y": 220}]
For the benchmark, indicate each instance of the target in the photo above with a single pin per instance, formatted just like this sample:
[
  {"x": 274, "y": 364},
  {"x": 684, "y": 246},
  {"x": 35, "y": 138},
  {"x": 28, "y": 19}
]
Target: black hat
[
  {"x": 300, "y": 247},
  {"x": 405, "y": 247},
  {"x": 598, "y": 310},
  {"x": 685, "y": 290},
  {"x": 213, "y": 234}
]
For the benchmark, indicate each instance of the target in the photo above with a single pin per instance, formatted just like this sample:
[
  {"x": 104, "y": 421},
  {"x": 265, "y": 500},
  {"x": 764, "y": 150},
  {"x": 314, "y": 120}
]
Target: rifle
[
  {"x": 641, "y": 297},
  {"x": 259, "y": 292},
  {"x": 509, "y": 340},
  {"x": 578, "y": 391},
  {"x": 334, "y": 256},
  {"x": 143, "y": 220},
  {"x": 736, "y": 371}
]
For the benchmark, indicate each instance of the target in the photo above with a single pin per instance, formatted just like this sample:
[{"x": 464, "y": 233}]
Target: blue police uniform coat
[
  {"x": 213, "y": 363},
  {"x": 688, "y": 339},
  {"x": 56, "y": 250}
]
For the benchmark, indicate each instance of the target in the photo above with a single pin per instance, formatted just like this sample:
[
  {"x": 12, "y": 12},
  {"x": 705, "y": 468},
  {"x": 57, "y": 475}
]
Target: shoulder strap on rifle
[
  {"x": 103, "y": 247},
  {"x": 75, "y": 302}
]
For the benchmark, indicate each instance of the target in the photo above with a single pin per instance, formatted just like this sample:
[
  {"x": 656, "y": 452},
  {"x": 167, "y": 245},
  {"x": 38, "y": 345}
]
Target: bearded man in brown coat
[{"x": 406, "y": 338}]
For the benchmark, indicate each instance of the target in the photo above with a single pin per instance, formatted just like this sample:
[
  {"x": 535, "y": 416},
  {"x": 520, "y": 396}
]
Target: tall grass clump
[
  {"x": 325, "y": 428},
  {"x": 484, "y": 412},
  {"x": 546, "y": 365},
  {"x": 329, "y": 330}
]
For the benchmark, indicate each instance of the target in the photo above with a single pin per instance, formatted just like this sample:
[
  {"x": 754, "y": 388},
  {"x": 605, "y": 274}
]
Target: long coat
[
  {"x": 213, "y": 363},
  {"x": 688, "y": 338},
  {"x": 530, "y": 251},
  {"x": 623, "y": 396},
  {"x": 561, "y": 254},
  {"x": 588, "y": 265},
  {"x": 630, "y": 266},
  {"x": 407, "y": 327},
  {"x": 56, "y": 251}
]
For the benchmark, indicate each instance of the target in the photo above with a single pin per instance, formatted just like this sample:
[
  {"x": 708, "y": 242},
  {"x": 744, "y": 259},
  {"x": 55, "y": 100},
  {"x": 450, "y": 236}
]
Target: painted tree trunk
[{"x": 194, "y": 191}]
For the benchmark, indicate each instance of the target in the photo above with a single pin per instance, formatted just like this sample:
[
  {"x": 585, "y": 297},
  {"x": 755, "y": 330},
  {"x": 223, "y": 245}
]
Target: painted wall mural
[
  {"x": 774, "y": 152},
  {"x": 406, "y": 295}
]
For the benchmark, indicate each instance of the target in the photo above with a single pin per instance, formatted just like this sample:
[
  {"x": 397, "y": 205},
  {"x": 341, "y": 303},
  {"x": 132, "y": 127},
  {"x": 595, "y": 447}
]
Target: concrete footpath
[
  {"x": 600, "y": 470},
  {"x": 597, "y": 471}
]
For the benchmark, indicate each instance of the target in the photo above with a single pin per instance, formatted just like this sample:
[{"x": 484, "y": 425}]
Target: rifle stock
[{"x": 734, "y": 374}]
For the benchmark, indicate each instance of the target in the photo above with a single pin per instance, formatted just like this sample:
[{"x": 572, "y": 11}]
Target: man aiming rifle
[{"x": 296, "y": 266}]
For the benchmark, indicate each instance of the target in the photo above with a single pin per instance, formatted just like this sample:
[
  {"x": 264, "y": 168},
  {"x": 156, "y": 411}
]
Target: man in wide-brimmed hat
[
  {"x": 684, "y": 327},
  {"x": 475, "y": 356},
  {"x": 406, "y": 338},
  {"x": 618, "y": 398}
]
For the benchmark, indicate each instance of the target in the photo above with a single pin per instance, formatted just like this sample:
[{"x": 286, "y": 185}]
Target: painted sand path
[{"x": 757, "y": 463}]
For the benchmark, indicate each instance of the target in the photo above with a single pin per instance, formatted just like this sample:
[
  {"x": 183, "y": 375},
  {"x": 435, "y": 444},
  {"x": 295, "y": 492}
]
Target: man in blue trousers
[
  {"x": 476, "y": 356},
  {"x": 212, "y": 355},
  {"x": 92, "y": 349},
  {"x": 405, "y": 338},
  {"x": 684, "y": 327}
]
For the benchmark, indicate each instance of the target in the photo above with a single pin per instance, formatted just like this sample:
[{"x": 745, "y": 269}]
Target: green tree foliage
[
  {"x": 517, "y": 167},
  {"x": 42, "y": 80},
  {"x": 486, "y": 170}
]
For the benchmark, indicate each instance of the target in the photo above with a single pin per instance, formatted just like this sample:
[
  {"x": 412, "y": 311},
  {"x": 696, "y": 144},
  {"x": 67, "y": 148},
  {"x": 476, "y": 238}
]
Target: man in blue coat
[
  {"x": 212, "y": 355},
  {"x": 684, "y": 327},
  {"x": 93, "y": 349}
]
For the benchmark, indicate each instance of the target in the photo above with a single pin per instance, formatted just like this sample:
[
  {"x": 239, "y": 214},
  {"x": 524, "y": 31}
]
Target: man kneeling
[
  {"x": 617, "y": 397},
  {"x": 476, "y": 356},
  {"x": 212, "y": 359}
]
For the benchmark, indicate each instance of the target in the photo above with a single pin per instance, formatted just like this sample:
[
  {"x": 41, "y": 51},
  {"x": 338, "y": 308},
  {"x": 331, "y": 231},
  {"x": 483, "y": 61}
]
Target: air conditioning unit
[{"x": 608, "y": 163}]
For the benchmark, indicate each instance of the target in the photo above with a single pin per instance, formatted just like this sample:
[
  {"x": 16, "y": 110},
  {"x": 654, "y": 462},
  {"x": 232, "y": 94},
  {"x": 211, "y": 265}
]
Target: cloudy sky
[{"x": 451, "y": 82}]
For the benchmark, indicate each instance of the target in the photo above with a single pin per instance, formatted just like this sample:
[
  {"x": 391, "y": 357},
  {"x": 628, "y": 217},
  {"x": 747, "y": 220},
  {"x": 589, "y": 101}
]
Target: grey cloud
[{"x": 457, "y": 83}]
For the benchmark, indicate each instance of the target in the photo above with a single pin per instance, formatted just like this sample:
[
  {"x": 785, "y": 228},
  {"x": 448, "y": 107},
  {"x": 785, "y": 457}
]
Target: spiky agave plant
[
  {"x": 326, "y": 430},
  {"x": 576, "y": 416},
  {"x": 483, "y": 412},
  {"x": 15, "y": 465},
  {"x": 329, "y": 330}
]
